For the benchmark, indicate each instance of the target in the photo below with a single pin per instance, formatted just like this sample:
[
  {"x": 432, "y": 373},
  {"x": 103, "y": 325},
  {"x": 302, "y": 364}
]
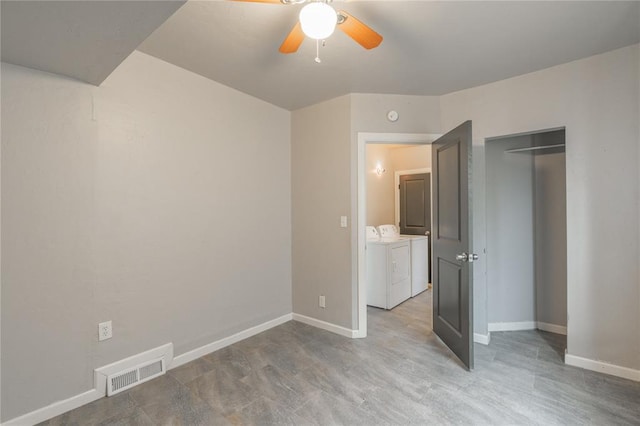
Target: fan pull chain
[{"x": 318, "y": 52}]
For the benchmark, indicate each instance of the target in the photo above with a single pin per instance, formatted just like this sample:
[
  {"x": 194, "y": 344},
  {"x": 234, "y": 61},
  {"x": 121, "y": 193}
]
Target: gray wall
[
  {"x": 526, "y": 231},
  {"x": 417, "y": 114},
  {"x": 110, "y": 195},
  {"x": 320, "y": 195},
  {"x": 597, "y": 100},
  {"x": 551, "y": 238},
  {"x": 150, "y": 201},
  {"x": 324, "y": 187},
  {"x": 510, "y": 231}
]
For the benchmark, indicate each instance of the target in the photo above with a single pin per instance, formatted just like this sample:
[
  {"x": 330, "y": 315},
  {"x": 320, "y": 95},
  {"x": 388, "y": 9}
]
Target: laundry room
[{"x": 398, "y": 218}]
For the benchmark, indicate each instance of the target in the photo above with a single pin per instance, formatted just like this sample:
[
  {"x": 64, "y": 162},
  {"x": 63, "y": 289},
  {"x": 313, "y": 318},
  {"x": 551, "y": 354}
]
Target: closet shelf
[{"x": 536, "y": 148}]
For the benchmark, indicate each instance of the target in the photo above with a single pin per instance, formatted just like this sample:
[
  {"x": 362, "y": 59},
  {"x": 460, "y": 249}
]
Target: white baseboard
[
  {"x": 602, "y": 367},
  {"x": 527, "y": 325},
  {"x": 343, "y": 331},
  {"x": 551, "y": 328},
  {"x": 483, "y": 339},
  {"x": 55, "y": 409},
  {"x": 512, "y": 326},
  {"x": 100, "y": 374},
  {"x": 226, "y": 341},
  {"x": 359, "y": 334}
]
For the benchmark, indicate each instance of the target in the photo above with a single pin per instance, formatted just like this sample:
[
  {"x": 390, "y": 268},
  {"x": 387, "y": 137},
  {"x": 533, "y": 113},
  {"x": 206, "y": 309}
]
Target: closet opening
[{"x": 526, "y": 220}]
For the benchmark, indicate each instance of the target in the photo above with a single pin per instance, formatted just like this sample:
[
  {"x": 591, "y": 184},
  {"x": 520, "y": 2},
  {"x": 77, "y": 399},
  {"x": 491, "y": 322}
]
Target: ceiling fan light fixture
[{"x": 318, "y": 20}]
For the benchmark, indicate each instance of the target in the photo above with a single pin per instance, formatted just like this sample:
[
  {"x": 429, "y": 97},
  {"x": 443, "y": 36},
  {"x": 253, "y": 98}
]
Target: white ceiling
[
  {"x": 85, "y": 40},
  {"x": 429, "y": 48}
]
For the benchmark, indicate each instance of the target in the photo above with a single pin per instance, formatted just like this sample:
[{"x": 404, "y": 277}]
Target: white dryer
[
  {"x": 419, "y": 256},
  {"x": 388, "y": 270}
]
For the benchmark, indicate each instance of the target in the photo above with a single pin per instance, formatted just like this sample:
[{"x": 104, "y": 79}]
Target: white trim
[
  {"x": 396, "y": 189},
  {"x": 483, "y": 339},
  {"x": 602, "y": 367},
  {"x": 99, "y": 388},
  {"x": 55, "y": 409},
  {"x": 551, "y": 328},
  {"x": 359, "y": 334},
  {"x": 527, "y": 325},
  {"x": 512, "y": 326},
  {"x": 164, "y": 351},
  {"x": 343, "y": 331},
  {"x": 226, "y": 341},
  {"x": 398, "y": 138},
  {"x": 360, "y": 262}
]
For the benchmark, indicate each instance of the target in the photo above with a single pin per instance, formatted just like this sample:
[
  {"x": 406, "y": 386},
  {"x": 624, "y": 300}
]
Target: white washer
[
  {"x": 419, "y": 256},
  {"x": 388, "y": 270}
]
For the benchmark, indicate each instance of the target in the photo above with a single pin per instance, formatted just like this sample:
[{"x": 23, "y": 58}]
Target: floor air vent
[{"x": 126, "y": 379}]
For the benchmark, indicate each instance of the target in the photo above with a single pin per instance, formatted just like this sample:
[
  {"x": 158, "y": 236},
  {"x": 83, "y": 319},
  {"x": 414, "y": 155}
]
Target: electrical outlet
[
  {"x": 321, "y": 302},
  {"x": 105, "y": 331}
]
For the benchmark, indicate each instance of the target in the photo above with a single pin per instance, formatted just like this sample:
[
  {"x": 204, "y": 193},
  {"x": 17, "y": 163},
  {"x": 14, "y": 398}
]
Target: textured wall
[
  {"x": 159, "y": 200},
  {"x": 596, "y": 99},
  {"x": 510, "y": 231},
  {"x": 551, "y": 238},
  {"x": 320, "y": 195}
]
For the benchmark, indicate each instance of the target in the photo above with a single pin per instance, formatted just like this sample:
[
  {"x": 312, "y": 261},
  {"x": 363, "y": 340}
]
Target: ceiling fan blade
[
  {"x": 261, "y": 1},
  {"x": 358, "y": 31},
  {"x": 293, "y": 40}
]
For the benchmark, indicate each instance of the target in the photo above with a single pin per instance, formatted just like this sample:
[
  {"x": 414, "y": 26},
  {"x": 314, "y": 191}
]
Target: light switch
[{"x": 343, "y": 221}]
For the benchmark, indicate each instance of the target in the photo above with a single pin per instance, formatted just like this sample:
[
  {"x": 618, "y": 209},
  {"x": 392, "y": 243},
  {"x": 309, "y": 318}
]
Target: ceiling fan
[{"x": 318, "y": 20}]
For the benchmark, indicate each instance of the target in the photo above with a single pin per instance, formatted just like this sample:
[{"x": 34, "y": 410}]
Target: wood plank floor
[{"x": 401, "y": 374}]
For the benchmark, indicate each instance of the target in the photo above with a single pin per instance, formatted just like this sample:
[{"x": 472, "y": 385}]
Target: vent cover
[{"x": 130, "y": 377}]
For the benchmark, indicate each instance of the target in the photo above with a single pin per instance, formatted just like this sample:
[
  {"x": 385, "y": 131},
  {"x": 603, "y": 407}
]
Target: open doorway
[
  {"x": 379, "y": 156},
  {"x": 526, "y": 232},
  {"x": 398, "y": 193},
  {"x": 452, "y": 256}
]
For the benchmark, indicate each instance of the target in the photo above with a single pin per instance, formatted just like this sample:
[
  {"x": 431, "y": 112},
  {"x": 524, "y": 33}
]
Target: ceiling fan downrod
[{"x": 318, "y": 60}]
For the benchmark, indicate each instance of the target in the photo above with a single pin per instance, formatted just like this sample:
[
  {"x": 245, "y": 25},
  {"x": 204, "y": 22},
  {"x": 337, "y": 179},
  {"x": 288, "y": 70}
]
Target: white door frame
[
  {"x": 365, "y": 138},
  {"x": 396, "y": 188}
]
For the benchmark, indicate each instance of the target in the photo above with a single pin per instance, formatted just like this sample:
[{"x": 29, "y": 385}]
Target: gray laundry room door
[{"x": 415, "y": 204}]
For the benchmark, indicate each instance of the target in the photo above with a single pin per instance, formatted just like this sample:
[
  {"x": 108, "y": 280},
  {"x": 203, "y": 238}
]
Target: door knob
[{"x": 466, "y": 257}]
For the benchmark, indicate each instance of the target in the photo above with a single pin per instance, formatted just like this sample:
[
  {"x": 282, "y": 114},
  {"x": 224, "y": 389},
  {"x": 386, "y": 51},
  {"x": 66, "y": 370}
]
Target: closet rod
[{"x": 535, "y": 148}]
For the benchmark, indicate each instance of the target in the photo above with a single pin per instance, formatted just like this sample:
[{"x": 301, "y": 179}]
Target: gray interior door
[
  {"x": 451, "y": 234},
  {"x": 415, "y": 204}
]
